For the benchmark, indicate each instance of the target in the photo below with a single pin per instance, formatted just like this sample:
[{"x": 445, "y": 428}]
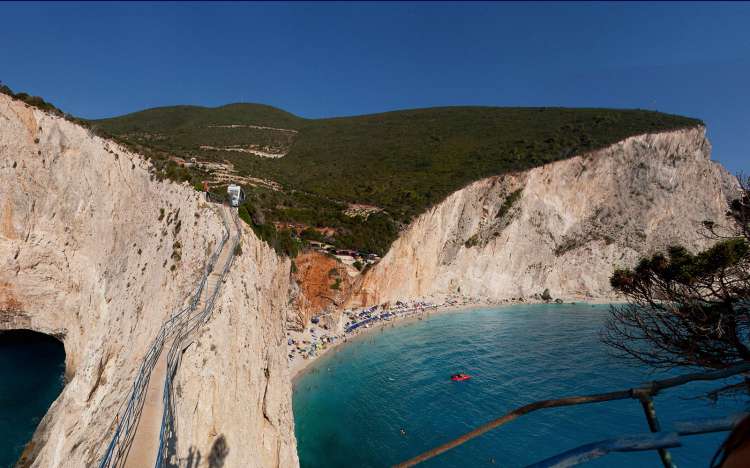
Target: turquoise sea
[
  {"x": 31, "y": 377},
  {"x": 351, "y": 405}
]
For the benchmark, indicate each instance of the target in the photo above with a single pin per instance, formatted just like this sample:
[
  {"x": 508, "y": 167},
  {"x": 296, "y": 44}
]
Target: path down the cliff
[
  {"x": 146, "y": 447},
  {"x": 143, "y": 451},
  {"x": 112, "y": 261}
]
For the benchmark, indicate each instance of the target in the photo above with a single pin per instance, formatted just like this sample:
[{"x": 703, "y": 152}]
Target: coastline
[{"x": 298, "y": 366}]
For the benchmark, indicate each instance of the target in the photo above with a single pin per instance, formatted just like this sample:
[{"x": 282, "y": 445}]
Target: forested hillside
[{"x": 302, "y": 173}]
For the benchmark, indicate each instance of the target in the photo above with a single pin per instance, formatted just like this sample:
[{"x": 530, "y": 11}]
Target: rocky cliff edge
[{"x": 96, "y": 252}]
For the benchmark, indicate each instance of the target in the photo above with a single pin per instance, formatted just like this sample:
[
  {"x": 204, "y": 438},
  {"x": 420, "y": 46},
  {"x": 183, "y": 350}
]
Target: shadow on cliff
[{"x": 215, "y": 459}]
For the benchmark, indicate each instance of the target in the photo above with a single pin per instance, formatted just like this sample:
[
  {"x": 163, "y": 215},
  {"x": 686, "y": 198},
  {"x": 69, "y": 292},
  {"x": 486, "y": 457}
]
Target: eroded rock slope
[
  {"x": 96, "y": 252},
  {"x": 562, "y": 226}
]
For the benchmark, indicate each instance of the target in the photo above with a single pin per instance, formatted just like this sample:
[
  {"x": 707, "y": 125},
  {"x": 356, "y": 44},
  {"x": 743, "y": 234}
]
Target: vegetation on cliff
[
  {"x": 686, "y": 309},
  {"x": 40, "y": 103},
  {"x": 399, "y": 163},
  {"x": 402, "y": 162}
]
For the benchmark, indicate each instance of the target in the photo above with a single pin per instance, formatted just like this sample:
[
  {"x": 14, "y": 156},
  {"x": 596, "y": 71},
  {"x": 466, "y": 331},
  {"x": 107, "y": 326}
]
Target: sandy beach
[{"x": 313, "y": 333}]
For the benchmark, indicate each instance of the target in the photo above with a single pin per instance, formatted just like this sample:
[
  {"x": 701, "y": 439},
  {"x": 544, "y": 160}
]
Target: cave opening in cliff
[{"x": 32, "y": 369}]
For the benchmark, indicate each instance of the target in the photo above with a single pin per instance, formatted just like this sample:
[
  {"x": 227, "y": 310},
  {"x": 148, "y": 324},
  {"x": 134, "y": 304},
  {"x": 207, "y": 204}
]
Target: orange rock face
[{"x": 325, "y": 284}]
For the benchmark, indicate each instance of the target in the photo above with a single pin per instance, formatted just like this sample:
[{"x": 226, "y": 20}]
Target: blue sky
[{"x": 317, "y": 60}]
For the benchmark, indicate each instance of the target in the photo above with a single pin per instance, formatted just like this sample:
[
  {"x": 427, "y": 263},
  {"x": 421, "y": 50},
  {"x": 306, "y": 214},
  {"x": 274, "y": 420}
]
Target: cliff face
[
  {"x": 321, "y": 284},
  {"x": 95, "y": 252},
  {"x": 562, "y": 226},
  {"x": 233, "y": 387}
]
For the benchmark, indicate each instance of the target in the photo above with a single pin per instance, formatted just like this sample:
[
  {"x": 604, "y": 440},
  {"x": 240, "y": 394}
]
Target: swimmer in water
[{"x": 403, "y": 432}]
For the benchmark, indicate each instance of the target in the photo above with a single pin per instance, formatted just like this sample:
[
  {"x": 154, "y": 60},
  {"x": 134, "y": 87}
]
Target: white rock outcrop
[
  {"x": 571, "y": 222},
  {"x": 241, "y": 411},
  {"x": 96, "y": 252}
]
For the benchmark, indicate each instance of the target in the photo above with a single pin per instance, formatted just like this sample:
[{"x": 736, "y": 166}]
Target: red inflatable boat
[{"x": 460, "y": 377}]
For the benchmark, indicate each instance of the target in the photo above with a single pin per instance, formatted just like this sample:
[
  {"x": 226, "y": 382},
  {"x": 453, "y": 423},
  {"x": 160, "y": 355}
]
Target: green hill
[{"x": 402, "y": 162}]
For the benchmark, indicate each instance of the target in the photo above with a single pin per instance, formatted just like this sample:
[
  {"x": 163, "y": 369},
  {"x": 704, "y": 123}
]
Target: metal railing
[
  {"x": 641, "y": 442},
  {"x": 644, "y": 394},
  {"x": 168, "y": 430},
  {"x": 127, "y": 419}
]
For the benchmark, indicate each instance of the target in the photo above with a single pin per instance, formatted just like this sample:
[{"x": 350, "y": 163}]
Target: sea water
[
  {"x": 352, "y": 404},
  {"x": 31, "y": 377}
]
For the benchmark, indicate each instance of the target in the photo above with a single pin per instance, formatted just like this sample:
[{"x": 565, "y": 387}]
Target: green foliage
[
  {"x": 403, "y": 162},
  {"x": 508, "y": 203},
  {"x": 375, "y": 234},
  {"x": 358, "y": 265},
  {"x": 283, "y": 242},
  {"x": 568, "y": 244},
  {"x": 310, "y": 234},
  {"x": 183, "y": 119},
  {"x": 472, "y": 241},
  {"x": 681, "y": 267},
  {"x": 176, "y": 251},
  {"x": 336, "y": 284},
  {"x": 244, "y": 214},
  {"x": 685, "y": 309},
  {"x": 41, "y": 104},
  {"x": 34, "y": 101}
]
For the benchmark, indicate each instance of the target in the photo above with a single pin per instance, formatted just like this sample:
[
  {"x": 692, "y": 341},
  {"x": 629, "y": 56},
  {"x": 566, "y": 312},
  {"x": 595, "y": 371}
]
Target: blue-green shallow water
[
  {"x": 350, "y": 407},
  {"x": 31, "y": 377}
]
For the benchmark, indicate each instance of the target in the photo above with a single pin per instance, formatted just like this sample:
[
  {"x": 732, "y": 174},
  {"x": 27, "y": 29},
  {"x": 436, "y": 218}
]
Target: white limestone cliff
[
  {"x": 572, "y": 222},
  {"x": 241, "y": 412},
  {"x": 96, "y": 252}
]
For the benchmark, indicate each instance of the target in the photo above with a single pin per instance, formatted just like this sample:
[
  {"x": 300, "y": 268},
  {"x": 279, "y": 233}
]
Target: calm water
[
  {"x": 350, "y": 408},
  {"x": 31, "y": 377}
]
